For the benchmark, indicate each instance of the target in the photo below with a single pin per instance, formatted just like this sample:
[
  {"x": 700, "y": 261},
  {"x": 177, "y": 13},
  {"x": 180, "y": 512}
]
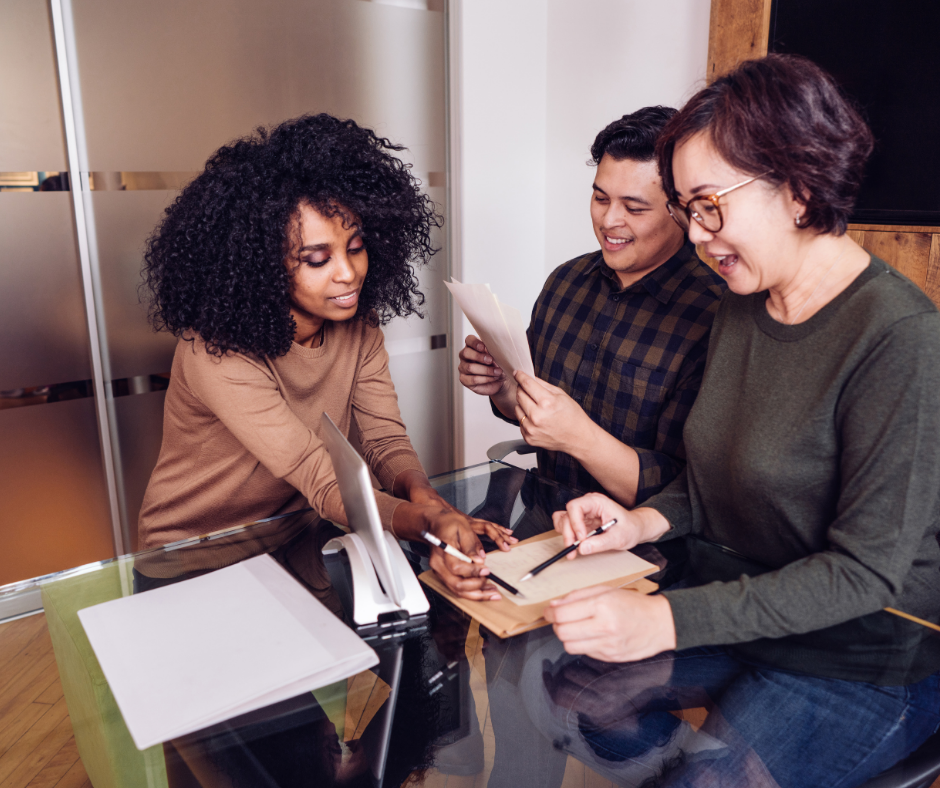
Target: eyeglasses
[{"x": 705, "y": 209}]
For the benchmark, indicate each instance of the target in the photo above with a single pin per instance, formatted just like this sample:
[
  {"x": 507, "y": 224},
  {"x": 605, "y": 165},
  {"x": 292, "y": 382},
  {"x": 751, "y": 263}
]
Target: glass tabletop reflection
[{"x": 449, "y": 704}]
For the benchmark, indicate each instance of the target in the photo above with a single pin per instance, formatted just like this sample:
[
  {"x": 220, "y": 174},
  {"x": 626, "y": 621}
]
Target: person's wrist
[
  {"x": 425, "y": 495},
  {"x": 411, "y": 485},
  {"x": 582, "y": 435},
  {"x": 667, "y": 624},
  {"x": 652, "y": 524},
  {"x": 408, "y": 521},
  {"x": 505, "y": 402}
]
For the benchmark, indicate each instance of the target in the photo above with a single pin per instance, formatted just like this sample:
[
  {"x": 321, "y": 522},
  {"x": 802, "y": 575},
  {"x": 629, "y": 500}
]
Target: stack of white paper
[
  {"x": 196, "y": 653},
  {"x": 500, "y": 326}
]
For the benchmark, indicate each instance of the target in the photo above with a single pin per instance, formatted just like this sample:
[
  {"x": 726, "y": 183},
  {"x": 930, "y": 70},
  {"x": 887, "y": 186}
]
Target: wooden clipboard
[{"x": 505, "y": 618}]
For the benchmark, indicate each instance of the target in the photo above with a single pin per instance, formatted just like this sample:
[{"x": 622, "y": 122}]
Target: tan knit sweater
[{"x": 241, "y": 434}]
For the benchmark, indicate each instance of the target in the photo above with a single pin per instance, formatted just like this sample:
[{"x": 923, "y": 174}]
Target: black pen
[
  {"x": 569, "y": 549},
  {"x": 432, "y": 539}
]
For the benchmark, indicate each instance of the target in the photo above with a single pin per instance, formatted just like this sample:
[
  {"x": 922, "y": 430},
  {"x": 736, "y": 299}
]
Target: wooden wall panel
[
  {"x": 933, "y": 270},
  {"x": 908, "y": 252},
  {"x": 737, "y": 30}
]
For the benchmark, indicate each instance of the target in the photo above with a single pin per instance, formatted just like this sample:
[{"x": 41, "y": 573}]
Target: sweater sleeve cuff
[
  {"x": 673, "y": 504},
  {"x": 387, "y": 505},
  {"x": 393, "y": 464},
  {"x": 692, "y": 616}
]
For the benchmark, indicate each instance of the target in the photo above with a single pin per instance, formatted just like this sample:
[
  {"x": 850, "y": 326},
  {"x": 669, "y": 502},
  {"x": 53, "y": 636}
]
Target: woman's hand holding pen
[
  {"x": 584, "y": 514},
  {"x": 466, "y": 580},
  {"x": 613, "y": 625},
  {"x": 423, "y": 510},
  {"x": 458, "y": 530}
]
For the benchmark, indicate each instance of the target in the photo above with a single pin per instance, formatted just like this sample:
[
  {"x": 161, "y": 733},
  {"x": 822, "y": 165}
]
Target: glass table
[{"x": 448, "y": 705}]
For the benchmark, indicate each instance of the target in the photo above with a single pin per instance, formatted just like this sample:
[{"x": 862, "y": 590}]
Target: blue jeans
[{"x": 765, "y": 727}]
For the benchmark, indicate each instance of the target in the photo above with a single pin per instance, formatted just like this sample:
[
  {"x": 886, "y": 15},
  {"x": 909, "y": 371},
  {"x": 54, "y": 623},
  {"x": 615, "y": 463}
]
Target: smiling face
[
  {"x": 328, "y": 267},
  {"x": 758, "y": 242},
  {"x": 632, "y": 225}
]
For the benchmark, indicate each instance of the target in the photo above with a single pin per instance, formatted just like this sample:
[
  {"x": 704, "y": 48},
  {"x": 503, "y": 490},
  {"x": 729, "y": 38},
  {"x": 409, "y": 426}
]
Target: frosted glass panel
[
  {"x": 422, "y": 381},
  {"x": 165, "y": 84},
  {"x": 392, "y": 76},
  {"x": 123, "y": 221},
  {"x": 31, "y": 136},
  {"x": 140, "y": 421},
  {"x": 42, "y": 314},
  {"x": 431, "y": 283},
  {"x": 55, "y": 512}
]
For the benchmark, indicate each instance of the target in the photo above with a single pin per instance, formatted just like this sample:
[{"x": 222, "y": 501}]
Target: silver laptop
[{"x": 355, "y": 486}]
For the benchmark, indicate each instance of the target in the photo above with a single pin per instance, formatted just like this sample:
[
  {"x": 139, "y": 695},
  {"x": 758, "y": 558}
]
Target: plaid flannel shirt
[{"x": 631, "y": 358}]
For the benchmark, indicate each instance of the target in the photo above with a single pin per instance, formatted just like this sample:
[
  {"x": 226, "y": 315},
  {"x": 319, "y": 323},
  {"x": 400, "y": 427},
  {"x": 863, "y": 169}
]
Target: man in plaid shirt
[{"x": 618, "y": 336}]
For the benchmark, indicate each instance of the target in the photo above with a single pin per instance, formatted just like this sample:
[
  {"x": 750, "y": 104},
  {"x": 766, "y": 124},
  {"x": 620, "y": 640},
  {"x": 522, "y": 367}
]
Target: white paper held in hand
[
  {"x": 201, "y": 651},
  {"x": 500, "y": 326}
]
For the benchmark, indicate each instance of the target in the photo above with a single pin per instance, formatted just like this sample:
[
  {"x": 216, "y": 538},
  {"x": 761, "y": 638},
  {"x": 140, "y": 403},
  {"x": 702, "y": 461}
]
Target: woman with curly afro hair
[{"x": 275, "y": 268}]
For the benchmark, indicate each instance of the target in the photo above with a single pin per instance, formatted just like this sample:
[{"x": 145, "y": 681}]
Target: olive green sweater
[{"x": 814, "y": 451}]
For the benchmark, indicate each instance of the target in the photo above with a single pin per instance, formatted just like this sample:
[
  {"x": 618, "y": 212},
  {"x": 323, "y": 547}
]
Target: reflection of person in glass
[
  {"x": 813, "y": 454},
  {"x": 275, "y": 267},
  {"x": 294, "y": 744}
]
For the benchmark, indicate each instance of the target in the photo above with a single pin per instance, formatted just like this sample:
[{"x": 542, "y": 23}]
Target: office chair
[
  {"x": 498, "y": 451},
  {"x": 918, "y": 770}
]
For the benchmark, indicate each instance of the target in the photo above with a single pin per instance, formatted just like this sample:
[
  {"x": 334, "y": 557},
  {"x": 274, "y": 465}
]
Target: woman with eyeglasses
[{"x": 812, "y": 489}]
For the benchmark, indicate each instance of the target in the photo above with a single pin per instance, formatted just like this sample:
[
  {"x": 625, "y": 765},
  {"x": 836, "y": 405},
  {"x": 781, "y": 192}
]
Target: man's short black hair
[{"x": 633, "y": 136}]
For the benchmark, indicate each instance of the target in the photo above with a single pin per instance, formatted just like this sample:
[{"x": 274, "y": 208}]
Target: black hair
[
  {"x": 633, "y": 136},
  {"x": 216, "y": 264}
]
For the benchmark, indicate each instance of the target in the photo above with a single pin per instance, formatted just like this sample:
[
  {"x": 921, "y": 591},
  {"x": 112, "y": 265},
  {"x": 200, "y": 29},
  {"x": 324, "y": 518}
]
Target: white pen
[
  {"x": 429, "y": 537},
  {"x": 432, "y": 539}
]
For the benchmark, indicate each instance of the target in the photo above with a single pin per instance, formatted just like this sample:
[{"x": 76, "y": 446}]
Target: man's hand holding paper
[
  {"x": 549, "y": 418},
  {"x": 480, "y": 373},
  {"x": 500, "y": 326}
]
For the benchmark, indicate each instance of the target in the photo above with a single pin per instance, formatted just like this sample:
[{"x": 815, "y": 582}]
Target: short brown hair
[{"x": 784, "y": 116}]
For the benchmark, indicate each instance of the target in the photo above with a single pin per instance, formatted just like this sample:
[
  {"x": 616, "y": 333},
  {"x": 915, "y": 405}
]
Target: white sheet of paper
[
  {"x": 500, "y": 326},
  {"x": 563, "y": 576},
  {"x": 201, "y": 651},
  {"x": 516, "y": 326}
]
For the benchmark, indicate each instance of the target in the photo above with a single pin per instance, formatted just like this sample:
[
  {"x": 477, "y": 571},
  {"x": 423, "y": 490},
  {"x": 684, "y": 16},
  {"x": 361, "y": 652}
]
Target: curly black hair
[{"x": 216, "y": 264}]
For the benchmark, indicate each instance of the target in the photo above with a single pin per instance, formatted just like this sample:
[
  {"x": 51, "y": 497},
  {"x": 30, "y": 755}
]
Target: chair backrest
[{"x": 918, "y": 770}]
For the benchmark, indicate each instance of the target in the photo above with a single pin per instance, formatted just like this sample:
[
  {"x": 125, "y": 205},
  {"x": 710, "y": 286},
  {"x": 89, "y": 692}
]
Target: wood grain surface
[
  {"x": 737, "y": 30},
  {"x": 37, "y": 747}
]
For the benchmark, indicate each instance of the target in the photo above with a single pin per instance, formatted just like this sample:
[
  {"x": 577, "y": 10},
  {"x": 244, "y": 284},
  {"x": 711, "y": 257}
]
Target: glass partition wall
[{"x": 123, "y": 101}]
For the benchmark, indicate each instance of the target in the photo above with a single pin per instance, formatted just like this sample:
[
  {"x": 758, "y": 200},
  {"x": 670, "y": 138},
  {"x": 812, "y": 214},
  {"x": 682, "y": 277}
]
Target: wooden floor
[{"x": 37, "y": 747}]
